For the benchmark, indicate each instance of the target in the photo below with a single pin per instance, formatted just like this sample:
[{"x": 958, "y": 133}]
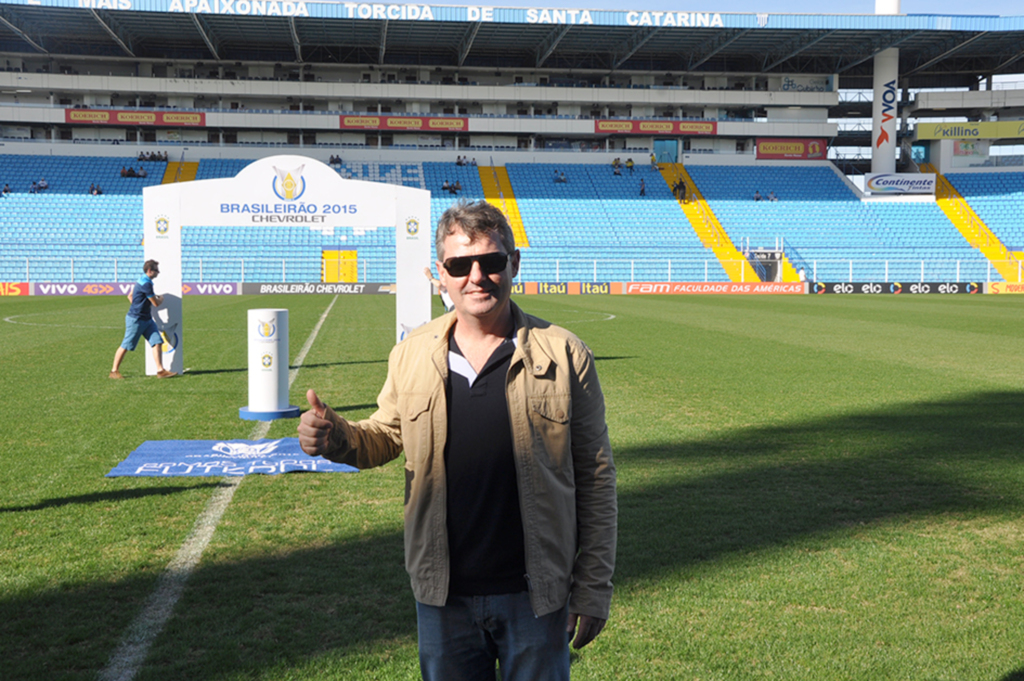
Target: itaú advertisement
[
  {"x": 656, "y": 127},
  {"x": 111, "y": 117},
  {"x": 405, "y": 123},
  {"x": 714, "y": 287},
  {"x": 899, "y": 183},
  {"x": 779, "y": 148}
]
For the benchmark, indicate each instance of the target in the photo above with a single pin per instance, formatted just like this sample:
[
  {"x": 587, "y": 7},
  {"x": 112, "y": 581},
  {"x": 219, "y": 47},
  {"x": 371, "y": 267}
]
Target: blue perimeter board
[{"x": 198, "y": 458}]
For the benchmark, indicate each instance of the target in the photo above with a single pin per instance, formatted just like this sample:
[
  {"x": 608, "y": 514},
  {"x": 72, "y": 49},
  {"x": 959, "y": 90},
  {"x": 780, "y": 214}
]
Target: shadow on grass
[
  {"x": 108, "y": 497},
  {"x": 1014, "y": 676},
  {"x": 319, "y": 365},
  {"x": 681, "y": 505}
]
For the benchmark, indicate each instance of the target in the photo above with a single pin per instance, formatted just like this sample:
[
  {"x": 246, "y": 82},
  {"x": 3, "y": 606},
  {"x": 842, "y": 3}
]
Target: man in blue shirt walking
[{"x": 139, "y": 322}]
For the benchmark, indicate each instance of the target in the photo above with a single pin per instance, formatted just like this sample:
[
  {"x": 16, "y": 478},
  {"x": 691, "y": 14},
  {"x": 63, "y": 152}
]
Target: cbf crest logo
[
  {"x": 289, "y": 185},
  {"x": 268, "y": 360},
  {"x": 412, "y": 226},
  {"x": 162, "y": 225},
  {"x": 266, "y": 329}
]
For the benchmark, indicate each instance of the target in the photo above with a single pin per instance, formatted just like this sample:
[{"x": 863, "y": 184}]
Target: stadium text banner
[
  {"x": 662, "y": 127},
  {"x": 331, "y": 9},
  {"x": 899, "y": 183},
  {"x": 990, "y": 130},
  {"x": 405, "y": 123},
  {"x": 301, "y": 193},
  {"x": 716, "y": 287},
  {"x": 778, "y": 148},
  {"x": 116, "y": 117},
  {"x": 197, "y": 458},
  {"x": 1003, "y": 287},
  {"x": 13, "y": 289},
  {"x": 896, "y": 288}
]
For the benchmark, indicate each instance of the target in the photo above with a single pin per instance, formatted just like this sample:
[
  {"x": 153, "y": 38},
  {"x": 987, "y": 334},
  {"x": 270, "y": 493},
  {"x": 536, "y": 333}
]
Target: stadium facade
[{"x": 404, "y": 86}]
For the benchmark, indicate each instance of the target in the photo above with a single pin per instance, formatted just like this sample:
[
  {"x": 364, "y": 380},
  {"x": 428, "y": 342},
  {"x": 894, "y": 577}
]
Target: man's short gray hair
[{"x": 475, "y": 220}]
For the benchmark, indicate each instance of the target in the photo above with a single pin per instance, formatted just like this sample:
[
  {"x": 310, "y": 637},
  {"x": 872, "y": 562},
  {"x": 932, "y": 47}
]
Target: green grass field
[{"x": 810, "y": 488}]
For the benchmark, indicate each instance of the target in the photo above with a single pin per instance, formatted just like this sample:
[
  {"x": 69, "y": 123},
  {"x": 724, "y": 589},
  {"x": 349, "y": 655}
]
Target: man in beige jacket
[{"x": 510, "y": 506}]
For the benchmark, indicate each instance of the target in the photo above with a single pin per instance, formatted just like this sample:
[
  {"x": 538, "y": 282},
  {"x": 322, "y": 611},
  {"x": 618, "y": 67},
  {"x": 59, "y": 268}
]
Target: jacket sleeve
[
  {"x": 596, "y": 504},
  {"x": 373, "y": 441}
]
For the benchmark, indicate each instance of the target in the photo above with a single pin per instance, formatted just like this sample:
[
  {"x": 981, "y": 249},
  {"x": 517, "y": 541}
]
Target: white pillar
[{"x": 886, "y": 96}]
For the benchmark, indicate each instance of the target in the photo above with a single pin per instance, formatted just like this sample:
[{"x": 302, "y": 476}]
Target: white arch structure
[{"x": 283, "y": 190}]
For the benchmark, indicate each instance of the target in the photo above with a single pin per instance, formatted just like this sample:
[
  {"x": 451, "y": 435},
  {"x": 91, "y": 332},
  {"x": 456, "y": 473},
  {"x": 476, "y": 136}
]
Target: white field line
[{"x": 131, "y": 652}]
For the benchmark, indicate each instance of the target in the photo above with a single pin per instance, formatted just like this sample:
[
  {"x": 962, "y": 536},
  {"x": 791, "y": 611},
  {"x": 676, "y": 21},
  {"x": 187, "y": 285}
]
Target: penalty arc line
[{"x": 131, "y": 652}]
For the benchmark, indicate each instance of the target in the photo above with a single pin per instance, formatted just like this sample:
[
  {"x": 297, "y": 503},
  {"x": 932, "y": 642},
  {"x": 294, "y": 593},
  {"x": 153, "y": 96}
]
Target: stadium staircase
[
  {"x": 182, "y": 171},
  {"x": 709, "y": 229},
  {"x": 498, "y": 192},
  {"x": 997, "y": 199},
  {"x": 824, "y": 227}
]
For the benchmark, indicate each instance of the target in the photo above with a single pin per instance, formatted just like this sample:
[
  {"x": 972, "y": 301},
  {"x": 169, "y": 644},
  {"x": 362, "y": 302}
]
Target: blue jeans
[{"x": 463, "y": 640}]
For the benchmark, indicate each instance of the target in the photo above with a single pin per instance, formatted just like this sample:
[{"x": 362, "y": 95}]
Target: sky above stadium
[{"x": 1004, "y": 8}]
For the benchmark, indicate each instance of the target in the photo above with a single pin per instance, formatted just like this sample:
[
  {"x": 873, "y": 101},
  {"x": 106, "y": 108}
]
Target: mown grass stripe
[{"x": 131, "y": 652}]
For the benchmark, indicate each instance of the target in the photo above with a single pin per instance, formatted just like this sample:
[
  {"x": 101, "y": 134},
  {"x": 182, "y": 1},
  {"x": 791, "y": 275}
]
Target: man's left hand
[{"x": 589, "y": 628}]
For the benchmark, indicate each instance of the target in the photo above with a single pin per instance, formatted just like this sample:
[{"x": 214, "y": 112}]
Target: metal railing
[{"x": 536, "y": 268}]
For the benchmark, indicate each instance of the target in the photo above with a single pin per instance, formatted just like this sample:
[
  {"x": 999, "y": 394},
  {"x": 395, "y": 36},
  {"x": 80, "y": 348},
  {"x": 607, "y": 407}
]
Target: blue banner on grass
[{"x": 173, "y": 458}]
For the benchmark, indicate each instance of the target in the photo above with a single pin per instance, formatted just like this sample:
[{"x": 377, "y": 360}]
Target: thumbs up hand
[{"x": 315, "y": 427}]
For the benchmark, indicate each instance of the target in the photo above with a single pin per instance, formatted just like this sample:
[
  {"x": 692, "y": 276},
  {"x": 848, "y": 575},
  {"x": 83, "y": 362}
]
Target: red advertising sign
[
  {"x": 11, "y": 289},
  {"x": 655, "y": 127},
  {"x": 405, "y": 123},
  {"x": 791, "y": 148},
  {"x": 714, "y": 287},
  {"x": 111, "y": 117}
]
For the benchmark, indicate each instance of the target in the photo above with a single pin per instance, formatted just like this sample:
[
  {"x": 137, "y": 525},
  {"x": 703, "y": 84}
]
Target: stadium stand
[
  {"x": 593, "y": 227},
  {"x": 998, "y": 199},
  {"x": 74, "y": 174},
  {"x": 824, "y": 228}
]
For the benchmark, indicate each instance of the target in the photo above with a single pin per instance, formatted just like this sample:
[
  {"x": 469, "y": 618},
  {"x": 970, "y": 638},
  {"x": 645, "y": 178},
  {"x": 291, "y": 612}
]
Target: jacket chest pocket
[
  {"x": 551, "y": 432},
  {"x": 414, "y": 412}
]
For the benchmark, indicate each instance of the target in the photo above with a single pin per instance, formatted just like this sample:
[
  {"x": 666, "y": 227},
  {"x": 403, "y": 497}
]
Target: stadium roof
[{"x": 935, "y": 50}]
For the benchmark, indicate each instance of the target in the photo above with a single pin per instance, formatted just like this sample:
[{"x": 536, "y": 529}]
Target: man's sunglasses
[{"x": 490, "y": 263}]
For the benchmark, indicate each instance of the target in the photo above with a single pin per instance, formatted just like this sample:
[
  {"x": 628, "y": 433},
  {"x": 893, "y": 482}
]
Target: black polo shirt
[{"x": 485, "y": 528}]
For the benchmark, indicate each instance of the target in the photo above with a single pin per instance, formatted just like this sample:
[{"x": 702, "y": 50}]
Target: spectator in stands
[
  {"x": 643, "y": 188},
  {"x": 556, "y": 176},
  {"x": 139, "y": 322},
  {"x": 445, "y": 187},
  {"x": 142, "y": 156},
  {"x": 629, "y": 165},
  {"x": 95, "y": 190},
  {"x": 801, "y": 275},
  {"x": 131, "y": 172},
  {"x": 7, "y": 189},
  {"x": 92, "y": 188},
  {"x": 142, "y": 172},
  {"x": 124, "y": 172},
  {"x": 33, "y": 188},
  {"x": 654, "y": 162},
  {"x": 617, "y": 170},
  {"x": 43, "y": 184},
  {"x": 616, "y": 162},
  {"x": 459, "y": 161},
  {"x": 561, "y": 177},
  {"x": 772, "y": 197},
  {"x": 757, "y": 196},
  {"x": 457, "y": 187},
  {"x": 473, "y": 162}
]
